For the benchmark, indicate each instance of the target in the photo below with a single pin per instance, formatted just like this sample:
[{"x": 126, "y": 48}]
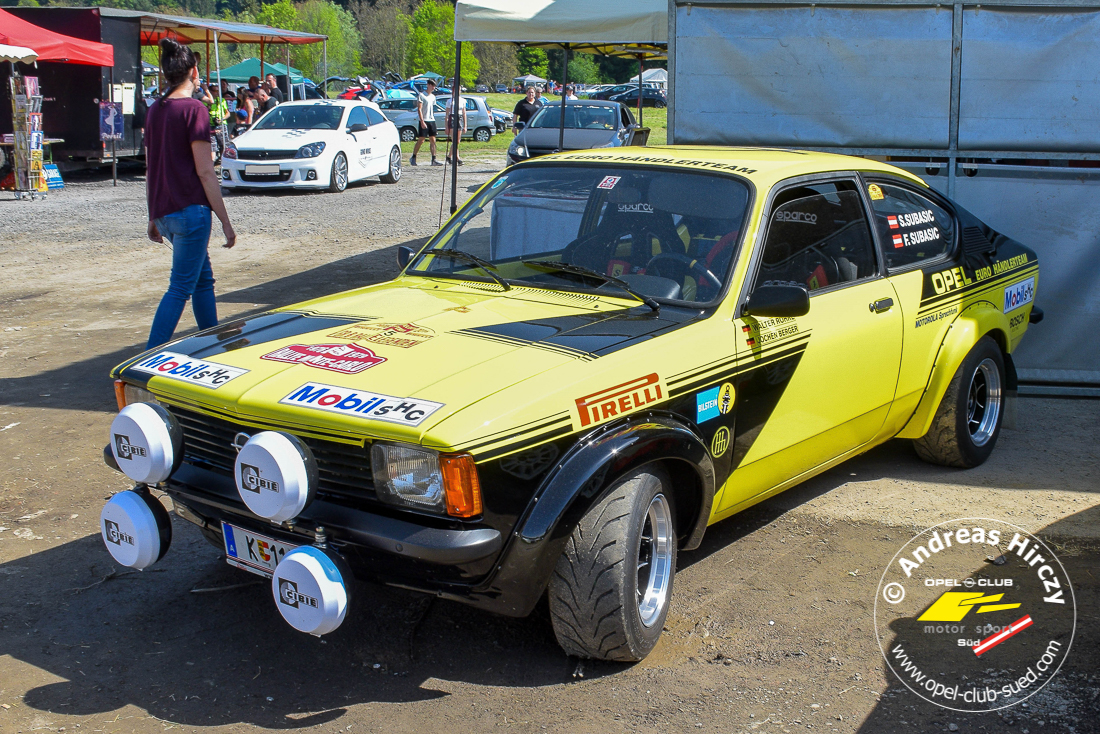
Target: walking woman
[{"x": 182, "y": 189}]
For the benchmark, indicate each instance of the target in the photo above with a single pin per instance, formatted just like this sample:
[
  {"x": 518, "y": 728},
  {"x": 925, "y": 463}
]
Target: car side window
[
  {"x": 818, "y": 237},
  {"x": 357, "y": 115},
  {"x": 911, "y": 226},
  {"x": 470, "y": 104},
  {"x": 374, "y": 117},
  {"x": 625, "y": 115}
]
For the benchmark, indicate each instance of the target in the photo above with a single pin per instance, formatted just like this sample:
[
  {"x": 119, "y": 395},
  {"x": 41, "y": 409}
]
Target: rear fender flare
[{"x": 975, "y": 321}]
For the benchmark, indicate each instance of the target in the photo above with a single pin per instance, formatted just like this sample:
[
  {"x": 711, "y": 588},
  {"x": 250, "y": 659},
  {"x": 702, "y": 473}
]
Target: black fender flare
[
  {"x": 587, "y": 472},
  {"x": 580, "y": 480}
]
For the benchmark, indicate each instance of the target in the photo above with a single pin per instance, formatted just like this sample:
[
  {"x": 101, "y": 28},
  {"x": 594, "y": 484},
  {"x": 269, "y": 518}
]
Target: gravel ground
[{"x": 770, "y": 629}]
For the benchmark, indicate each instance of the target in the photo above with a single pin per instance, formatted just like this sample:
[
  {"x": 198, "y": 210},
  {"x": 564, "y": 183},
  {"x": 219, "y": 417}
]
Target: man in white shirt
[
  {"x": 425, "y": 112},
  {"x": 449, "y": 123}
]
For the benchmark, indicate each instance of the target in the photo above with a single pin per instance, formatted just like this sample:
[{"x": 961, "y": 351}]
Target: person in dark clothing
[
  {"x": 273, "y": 88},
  {"x": 266, "y": 102},
  {"x": 182, "y": 190},
  {"x": 525, "y": 109}
]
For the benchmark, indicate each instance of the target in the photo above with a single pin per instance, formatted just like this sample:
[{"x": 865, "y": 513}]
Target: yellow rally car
[{"x": 598, "y": 356}]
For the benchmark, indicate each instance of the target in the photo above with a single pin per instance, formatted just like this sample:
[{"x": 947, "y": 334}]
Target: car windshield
[
  {"x": 578, "y": 117},
  {"x": 669, "y": 235},
  {"x": 302, "y": 117}
]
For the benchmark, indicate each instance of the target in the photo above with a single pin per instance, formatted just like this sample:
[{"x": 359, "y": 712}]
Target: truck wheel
[
  {"x": 968, "y": 421},
  {"x": 610, "y": 591}
]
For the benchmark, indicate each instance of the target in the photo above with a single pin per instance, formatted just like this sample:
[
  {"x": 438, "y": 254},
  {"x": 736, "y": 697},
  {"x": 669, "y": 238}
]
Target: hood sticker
[
  {"x": 348, "y": 359},
  {"x": 345, "y": 401},
  {"x": 392, "y": 335},
  {"x": 185, "y": 369}
]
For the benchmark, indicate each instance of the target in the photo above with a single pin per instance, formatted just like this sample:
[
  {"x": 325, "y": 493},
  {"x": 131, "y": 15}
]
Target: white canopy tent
[
  {"x": 19, "y": 54},
  {"x": 607, "y": 27},
  {"x": 654, "y": 76}
]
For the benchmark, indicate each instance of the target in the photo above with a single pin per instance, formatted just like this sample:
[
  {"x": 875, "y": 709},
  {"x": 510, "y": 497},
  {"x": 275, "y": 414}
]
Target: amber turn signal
[{"x": 461, "y": 488}]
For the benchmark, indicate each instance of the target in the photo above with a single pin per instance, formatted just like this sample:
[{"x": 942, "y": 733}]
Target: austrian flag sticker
[
  {"x": 892, "y": 221},
  {"x": 898, "y": 241}
]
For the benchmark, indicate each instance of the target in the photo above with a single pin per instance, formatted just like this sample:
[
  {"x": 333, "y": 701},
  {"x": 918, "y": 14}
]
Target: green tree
[
  {"x": 533, "y": 61},
  {"x": 430, "y": 45},
  {"x": 281, "y": 14},
  {"x": 344, "y": 43},
  {"x": 385, "y": 30},
  {"x": 583, "y": 69},
  {"x": 498, "y": 62}
]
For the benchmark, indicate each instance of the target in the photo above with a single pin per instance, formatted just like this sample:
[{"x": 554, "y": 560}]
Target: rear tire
[
  {"x": 483, "y": 135},
  {"x": 968, "y": 420},
  {"x": 408, "y": 134},
  {"x": 610, "y": 592},
  {"x": 394, "y": 174}
]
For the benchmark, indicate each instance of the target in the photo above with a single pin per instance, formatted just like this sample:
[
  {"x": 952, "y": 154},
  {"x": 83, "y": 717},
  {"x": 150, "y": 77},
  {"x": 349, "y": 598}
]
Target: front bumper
[{"x": 306, "y": 173}]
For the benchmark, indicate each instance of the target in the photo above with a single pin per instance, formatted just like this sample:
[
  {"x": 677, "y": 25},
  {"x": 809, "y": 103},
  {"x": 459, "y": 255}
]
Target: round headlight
[{"x": 147, "y": 442}]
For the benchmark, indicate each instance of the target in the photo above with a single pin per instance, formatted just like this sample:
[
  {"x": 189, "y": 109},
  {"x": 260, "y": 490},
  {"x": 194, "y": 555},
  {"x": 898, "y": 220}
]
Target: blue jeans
[{"x": 189, "y": 232}]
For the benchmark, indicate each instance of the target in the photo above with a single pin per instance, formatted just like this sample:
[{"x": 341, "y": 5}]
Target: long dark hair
[{"x": 176, "y": 63}]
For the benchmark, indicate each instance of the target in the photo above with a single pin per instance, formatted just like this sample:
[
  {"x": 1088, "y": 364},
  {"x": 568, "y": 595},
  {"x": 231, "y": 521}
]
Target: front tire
[
  {"x": 483, "y": 135},
  {"x": 338, "y": 177},
  {"x": 394, "y": 174},
  {"x": 968, "y": 421},
  {"x": 610, "y": 592},
  {"x": 408, "y": 134}
]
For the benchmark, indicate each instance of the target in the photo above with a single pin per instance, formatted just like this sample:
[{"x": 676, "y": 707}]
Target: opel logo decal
[{"x": 239, "y": 441}]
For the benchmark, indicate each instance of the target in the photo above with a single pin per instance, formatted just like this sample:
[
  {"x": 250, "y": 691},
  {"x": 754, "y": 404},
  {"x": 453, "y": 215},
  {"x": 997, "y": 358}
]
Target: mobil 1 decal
[
  {"x": 975, "y": 614},
  {"x": 361, "y": 404}
]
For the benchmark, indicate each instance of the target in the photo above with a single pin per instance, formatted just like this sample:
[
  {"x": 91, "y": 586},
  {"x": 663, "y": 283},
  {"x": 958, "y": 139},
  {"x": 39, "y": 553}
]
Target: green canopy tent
[
  {"x": 240, "y": 73},
  {"x": 429, "y": 75}
]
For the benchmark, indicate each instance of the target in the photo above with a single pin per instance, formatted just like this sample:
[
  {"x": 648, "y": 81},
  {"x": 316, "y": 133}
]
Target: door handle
[{"x": 883, "y": 304}]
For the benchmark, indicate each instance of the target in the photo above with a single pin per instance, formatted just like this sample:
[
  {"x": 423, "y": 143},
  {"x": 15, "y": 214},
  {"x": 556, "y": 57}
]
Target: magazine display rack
[{"x": 28, "y": 138}]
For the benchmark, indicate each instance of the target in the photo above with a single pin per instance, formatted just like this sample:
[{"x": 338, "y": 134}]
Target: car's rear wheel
[
  {"x": 408, "y": 134},
  {"x": 610, "y": 591},
  {"x": 968, "y": 421},
  {"x": 394, "y": 173},
  {"x": 483, "y": 135},
  {"x": 338, "y": 178}
]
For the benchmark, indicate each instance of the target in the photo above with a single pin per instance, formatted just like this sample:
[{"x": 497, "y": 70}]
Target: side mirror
[
  {"x": 357, "y": 127},
  {"x": 404, "y": 254},
  {"x": 778, "y": 301}
]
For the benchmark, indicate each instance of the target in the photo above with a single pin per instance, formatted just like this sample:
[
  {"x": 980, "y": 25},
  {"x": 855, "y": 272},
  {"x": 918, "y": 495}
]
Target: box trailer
[{"x": 72, "y": 92}]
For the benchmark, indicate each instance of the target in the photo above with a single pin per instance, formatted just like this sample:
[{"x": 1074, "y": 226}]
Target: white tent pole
[
  {"x": 289, "y": 83},
  {"x": 217, "y": 62},
  {"x": 564, "y": 81},
  {"x": 324, "y": 50}
]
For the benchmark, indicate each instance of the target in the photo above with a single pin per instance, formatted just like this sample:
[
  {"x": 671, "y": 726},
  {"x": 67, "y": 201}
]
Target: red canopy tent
[{"x": 52, "y": 46}]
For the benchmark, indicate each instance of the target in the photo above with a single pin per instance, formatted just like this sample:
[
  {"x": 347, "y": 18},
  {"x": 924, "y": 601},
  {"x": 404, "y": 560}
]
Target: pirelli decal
[{"x": 613, "y": 402}]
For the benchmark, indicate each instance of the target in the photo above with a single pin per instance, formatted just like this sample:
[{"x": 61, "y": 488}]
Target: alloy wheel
[
  {"x": 983, "y": 402},
  {"x": 654, "y": 564}
]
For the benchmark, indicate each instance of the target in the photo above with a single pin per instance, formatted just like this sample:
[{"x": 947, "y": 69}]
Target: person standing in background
[
  {"x": 525, "y": 109},
  {"x": 273, "y": 89},
  {"x": 182, "y": 190},
  {"x": 266, "y": 103},
  {"x": 425, "y": 113},
  {"x": 453, "y": 138},
  {"x": 219, "y": 114}
]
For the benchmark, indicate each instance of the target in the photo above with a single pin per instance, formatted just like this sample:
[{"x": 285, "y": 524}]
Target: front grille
[
  {"x": 265, "y": 177},
  {"x": 265, "y": 155},
  {"x": 343, "y": 469}
]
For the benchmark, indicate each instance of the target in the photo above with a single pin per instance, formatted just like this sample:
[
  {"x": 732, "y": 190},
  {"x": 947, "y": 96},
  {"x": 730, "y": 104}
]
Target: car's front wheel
[
  {"x": 338, "y": 178},
  {"x": 393, "y": 175},
  {"x": 968, "y": 420},
  {"x": 408, "y": 134},
  {"x": 610, "y": 591},
  {"x": 483, "y": 135}
]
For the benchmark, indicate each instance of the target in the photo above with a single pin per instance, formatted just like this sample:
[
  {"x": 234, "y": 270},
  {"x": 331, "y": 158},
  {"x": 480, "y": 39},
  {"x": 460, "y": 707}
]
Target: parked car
[
  {"x": 480, "y": 123},
  {"x": 651, "y": 97},
  {"x": 482, "y": 89},
  {"x": 501, "y": 88},
  {"x": 610, "y": 91},
  {"x": 592, "y": 362},
  {"x": 501, "y": 118},
  {"x": 312, "y": 145},
  {"x": 588, "y": 124}
]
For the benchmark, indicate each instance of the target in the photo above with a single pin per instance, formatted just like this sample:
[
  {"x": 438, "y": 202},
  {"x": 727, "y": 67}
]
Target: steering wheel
[{"x": 696, "y": 267}]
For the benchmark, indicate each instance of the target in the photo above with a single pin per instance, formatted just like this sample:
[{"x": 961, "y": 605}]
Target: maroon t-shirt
[{"x": 171, "y": 181}]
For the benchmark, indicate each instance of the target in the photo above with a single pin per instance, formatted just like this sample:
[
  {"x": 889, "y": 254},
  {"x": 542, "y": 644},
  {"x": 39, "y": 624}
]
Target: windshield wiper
[
  {"x": 468, "y": 257},
  {"x": 588, "y": 272}
]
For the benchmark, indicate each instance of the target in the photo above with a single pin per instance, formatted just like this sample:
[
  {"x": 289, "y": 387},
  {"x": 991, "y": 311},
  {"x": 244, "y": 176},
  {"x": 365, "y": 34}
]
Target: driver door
[
  {"x": 358, "y": 144},
  {"x": 820, "y": 385}
]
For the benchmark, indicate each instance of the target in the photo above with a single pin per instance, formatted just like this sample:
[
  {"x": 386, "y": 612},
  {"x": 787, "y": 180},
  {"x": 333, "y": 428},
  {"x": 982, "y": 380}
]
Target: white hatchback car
[{"x": 314, "y": 144}]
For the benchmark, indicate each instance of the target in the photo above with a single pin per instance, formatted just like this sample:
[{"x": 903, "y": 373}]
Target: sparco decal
[
  {"x": 185, "y": 369},
  {"x": 619, "y": 400},
  {"x": 349, "y": 359},
  {"x": 801, "y": 217},
  {"x": 358, "y": 403}
]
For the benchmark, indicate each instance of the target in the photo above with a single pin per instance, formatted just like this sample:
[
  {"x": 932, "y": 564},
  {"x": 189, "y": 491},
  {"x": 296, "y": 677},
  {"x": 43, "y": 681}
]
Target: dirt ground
[{"x": 771, "y": 628}]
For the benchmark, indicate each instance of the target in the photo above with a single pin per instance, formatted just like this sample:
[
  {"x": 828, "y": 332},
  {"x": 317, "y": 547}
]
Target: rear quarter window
[{"x": 911, "y": 226}]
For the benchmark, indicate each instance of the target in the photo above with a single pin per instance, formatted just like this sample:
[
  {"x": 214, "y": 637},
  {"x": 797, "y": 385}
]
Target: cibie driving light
[
  {"x": 310, "y": 151},
  {"x": 407, "y": 476},
  {"x": 147, "y": 442},
  {"x": 230, "y": 151}
]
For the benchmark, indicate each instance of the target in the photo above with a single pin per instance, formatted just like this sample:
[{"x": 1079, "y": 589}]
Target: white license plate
[
  {"x": 251, "y": 552},
  {"x": 271, "y": 169}
]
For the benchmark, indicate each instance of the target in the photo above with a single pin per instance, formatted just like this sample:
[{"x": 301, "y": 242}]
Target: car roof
[
  {"x": 763, "y": 166},
  {"x": 334, "y": 102}
]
